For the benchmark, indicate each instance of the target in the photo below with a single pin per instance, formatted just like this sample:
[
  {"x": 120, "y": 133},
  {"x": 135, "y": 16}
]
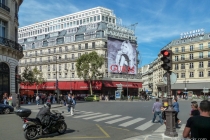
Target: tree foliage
[
  {"x": 88, "y": 65},
  {"x": 27, "y": 77},
  {"x": 38, "y": 78}
]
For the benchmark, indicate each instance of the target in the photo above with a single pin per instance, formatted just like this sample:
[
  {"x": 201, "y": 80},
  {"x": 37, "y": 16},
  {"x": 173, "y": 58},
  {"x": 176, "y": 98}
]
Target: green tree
[
  {"x": 87, "y": 67},
  {"x": 38, "y": 78},
  {"x": 27, "y": 77}
]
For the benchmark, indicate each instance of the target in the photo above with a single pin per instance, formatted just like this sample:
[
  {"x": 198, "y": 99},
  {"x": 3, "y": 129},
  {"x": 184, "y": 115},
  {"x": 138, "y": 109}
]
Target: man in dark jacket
[{"x": 44, "y": 115}]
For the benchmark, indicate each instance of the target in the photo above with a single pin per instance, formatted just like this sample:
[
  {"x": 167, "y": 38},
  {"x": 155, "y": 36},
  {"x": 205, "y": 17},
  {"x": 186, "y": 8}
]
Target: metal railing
[
  {"x": 4, "y": 7},
  {"x": 11, "y": 44}
]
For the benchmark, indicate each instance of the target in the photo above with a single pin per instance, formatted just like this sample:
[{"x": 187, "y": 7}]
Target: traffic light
[{"x": 167, "y": 60}]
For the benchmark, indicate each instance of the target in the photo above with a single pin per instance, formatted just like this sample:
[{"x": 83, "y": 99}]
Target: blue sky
[{"x": 159, "y": 21}]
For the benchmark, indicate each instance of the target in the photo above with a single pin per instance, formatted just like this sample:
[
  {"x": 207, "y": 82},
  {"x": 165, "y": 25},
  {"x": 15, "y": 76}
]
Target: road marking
[
  {"x": 96, "y": 116},
  {"x": 118, "y": 128},
  {"x": 106, "y": 118},
  {"x": 145, "y": 126},
  {"x": 91, "y": 114},
  {"x": 118, "y": 120},
  {"x": 76, "y": 113},
  {"x": 131, "y": 122},
  {"x": 162, "y": 128},
  {"x": 106, "y": 134}
]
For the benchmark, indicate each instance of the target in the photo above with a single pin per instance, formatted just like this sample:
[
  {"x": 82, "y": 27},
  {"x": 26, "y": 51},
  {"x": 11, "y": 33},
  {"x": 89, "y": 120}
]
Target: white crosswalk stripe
[
  {"x": 91, "y": 114},
  {"x": 131, "y": 122},
  {"x": 93, "y": 117},
  {"x": 118, "y": 120},
  {"x": 162, "y": 128},
  {"x": 106, "y": 118},
  {"x": 145, "y": 126}
]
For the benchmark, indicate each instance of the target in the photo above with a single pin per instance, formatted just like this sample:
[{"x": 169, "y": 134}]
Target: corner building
[
  {"x": 10, "y": 51},
  {"x": 53, "y": 46},
  {"x": 191, "y": 63}
]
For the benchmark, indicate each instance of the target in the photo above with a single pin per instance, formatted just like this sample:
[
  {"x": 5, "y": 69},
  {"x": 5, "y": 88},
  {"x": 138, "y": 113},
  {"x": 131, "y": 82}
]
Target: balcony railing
[
  {"x": 10, "y": 43},
  {"x": 4, "y": 7}
]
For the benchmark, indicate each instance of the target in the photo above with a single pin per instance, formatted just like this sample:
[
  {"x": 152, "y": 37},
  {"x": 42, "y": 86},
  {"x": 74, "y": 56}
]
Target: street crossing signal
[{"x": 167, "y": 60}]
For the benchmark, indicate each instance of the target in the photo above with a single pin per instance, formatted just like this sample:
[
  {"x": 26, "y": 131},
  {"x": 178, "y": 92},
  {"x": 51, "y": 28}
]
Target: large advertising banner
[{"x": 121, "y": 56}]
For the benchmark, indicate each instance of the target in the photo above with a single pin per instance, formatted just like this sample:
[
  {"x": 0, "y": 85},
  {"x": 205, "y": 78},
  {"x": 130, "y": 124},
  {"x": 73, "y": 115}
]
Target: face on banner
[{"x": 121, "y": 56}]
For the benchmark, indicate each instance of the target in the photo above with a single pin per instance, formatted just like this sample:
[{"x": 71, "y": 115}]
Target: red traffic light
[{"x": 165, "y": 52}]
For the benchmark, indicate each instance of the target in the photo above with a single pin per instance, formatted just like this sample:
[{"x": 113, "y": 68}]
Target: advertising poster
[
  {"x": 121, "y": 56},
  {"x": 117, "y": 95}
]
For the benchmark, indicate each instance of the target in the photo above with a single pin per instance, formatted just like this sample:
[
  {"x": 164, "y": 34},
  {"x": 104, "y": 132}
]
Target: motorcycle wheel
[
  {"x": 62, "y": 128},
  {"x": 31, "y": 133}
]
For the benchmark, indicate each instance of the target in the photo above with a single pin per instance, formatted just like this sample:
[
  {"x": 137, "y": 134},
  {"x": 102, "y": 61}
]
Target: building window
[
  {"x": 72, "y": 75},
  {"x": 72, "y": 66},
  {"x": 48, "y": 67},
  {"x": 208, "y": 63},
  {"x": 106, "y": 64},
  {"x": 93, "y": 45},
  {"x": 176, "y": 50},
  {"x": 191, "y": 74},
  {"x": 176, "y": 66},
  {"x": 86, "y": 45},
  {"x": 65, "y": 66},
  {"x": 54, "y": 50},
  {"x": 208, "y": 73},
  {"x": 49, "y": 76},
  {"x": 3, "y": 28},
  {"x": 191, "y": 66},
  {"x": 48, "y": 59},
  {"x": 177, "y": 74},
  {"x": 183, "y": 49},
  {"x": 79, "y": 54},
  {"x": 35, "y": 59},
  {"x": 176, "y": 58},
  {"x": 191, "y": 47},
  {"x": 40, "y": 51},
  {"x": 40, "y": 68},
  {"x": 72, "y": 56},
  {"x": 201, "y": 74},
  {"x": 191, "y": 56},
  {"x": 72, "y": 47},
  {"x": 201, "y": 46},
  {"x": 208, "y": 53},
  {"x": 200, "y": 54},
  {"x": 182, "y": 57},
  {"x": 48, "y": 50},
  {"x": 65, "y": 75},
  {"x": 182, "y": 66},
  {"x": 60, "y": 40},
  {"x": 59, "y": 67},
  {"x": 79, "y": 46},
  {"x": 66, "y": 48},
  {"x": 53, "y": 67},
  {"x": 182, "y": 75},
  {"x": 200, "y": 64},
  {"x": 45, "y": 43},
  {"x": 208, "y": 44},
  {"x": 60, "y": 49}
]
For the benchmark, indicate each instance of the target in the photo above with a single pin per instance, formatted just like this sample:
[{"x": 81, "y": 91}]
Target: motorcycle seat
[{"x": 36, "y": 120}]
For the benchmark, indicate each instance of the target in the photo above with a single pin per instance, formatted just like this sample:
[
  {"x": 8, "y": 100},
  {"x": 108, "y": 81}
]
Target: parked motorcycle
[{"x": 33, "y": 127}]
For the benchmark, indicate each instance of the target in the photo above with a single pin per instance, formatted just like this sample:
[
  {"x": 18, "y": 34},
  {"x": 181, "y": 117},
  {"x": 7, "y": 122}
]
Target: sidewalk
[
  {"x": 158, "y": 136},
  {"x": 34, "y": 106}
]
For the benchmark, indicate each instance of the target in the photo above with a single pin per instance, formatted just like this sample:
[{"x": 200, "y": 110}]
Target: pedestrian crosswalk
[{"x": 129, "y": 122}]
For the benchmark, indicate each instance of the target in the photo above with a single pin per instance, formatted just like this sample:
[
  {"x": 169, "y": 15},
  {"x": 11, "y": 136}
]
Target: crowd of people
[{"x": 198, "y": 124}]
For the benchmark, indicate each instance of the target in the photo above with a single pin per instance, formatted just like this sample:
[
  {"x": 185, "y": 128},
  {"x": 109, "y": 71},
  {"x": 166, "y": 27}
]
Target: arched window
[{"x": 4, "y": 79}]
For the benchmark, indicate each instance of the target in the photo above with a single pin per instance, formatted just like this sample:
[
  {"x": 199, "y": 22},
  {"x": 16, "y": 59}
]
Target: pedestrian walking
[
  {"x": 195, "y": 111},
  {"x": 176, "y": 108},
  {"x": 5, "y": 98},
  {"x": 70, "y": 103},
  {"x": 37, "y": 100},
  {"x": 198, "y": 127},
  {"x": 156, "y": 110},
  {"x": 10, "y": 100},
  {"x": 73, "y": 97}
]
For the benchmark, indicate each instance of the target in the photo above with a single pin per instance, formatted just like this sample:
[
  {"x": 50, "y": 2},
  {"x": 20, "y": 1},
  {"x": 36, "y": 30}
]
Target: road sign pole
[{"x": 170, "y": 113}]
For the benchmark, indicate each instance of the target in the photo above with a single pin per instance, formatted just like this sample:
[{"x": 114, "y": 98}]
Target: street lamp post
[{"x": 56, "y": 86}]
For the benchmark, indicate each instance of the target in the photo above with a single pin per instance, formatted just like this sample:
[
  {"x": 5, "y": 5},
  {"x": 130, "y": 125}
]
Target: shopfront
[
  {"x": 82, "y": 87},
  {"x": 4, "y": 79}
]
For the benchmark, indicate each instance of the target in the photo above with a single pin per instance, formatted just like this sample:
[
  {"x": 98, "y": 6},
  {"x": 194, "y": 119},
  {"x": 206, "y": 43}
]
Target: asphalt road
[{"x": 98, "y": 120}]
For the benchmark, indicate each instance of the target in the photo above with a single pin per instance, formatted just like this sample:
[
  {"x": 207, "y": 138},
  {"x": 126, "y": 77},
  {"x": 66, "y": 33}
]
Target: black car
[{"x": 6, "y": 109}]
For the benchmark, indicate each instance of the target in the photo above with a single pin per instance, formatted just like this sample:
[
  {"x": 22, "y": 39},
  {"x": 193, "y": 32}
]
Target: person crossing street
[{"x": 156, "y": 109}]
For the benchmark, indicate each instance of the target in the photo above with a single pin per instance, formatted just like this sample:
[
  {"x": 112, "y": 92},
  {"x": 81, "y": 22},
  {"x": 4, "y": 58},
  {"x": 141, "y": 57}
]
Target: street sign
[
  {"x": 173, "y": 78},
  {"x": 205, "y": 90},
  {"x": 117, "y": 94},
  {"x": 119, "y": 86}
]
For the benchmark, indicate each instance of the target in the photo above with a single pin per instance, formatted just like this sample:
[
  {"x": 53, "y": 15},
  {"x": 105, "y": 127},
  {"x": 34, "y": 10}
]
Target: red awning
[
  {"x": 124, "y": 84},
  {"x": 66, "y": 85}
]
